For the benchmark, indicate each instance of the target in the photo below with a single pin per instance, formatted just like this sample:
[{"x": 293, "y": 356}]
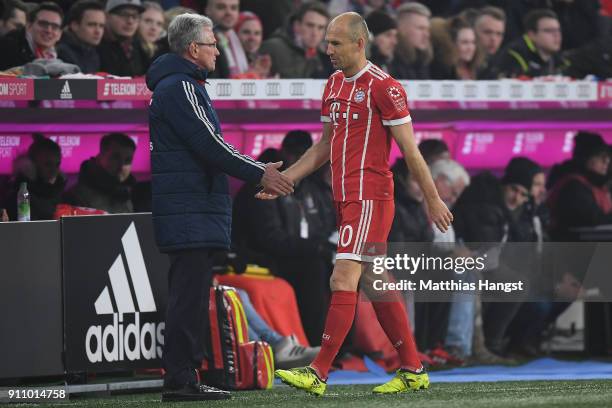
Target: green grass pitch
[{"x": 541, "y": 394}]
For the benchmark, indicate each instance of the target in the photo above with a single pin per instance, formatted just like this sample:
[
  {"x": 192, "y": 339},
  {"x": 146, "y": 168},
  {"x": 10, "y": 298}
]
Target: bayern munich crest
[{"x": 359, "y": 96}]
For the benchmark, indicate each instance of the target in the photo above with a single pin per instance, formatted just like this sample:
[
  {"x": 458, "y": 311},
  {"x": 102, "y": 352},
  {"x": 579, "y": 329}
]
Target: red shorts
[{"x": 363, "y": 228}]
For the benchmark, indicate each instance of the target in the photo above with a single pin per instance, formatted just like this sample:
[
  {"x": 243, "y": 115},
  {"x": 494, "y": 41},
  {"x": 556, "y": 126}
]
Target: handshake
[{"x": 274, "y": 183}]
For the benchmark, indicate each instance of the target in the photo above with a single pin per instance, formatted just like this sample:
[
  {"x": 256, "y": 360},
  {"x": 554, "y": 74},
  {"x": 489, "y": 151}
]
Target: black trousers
[{"x": 187, "y": 337}]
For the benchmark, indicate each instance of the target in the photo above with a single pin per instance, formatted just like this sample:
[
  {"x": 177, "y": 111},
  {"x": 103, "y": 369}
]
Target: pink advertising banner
[
  {"x": 16, "y": 89},
  {"x": 493, "y": 149},
  {"x": 75, "y": 149},
  {"x": 123, "y": 89}
]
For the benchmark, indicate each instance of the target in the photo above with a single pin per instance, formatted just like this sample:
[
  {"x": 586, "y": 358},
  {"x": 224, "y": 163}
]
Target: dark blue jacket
[{"x": 190, "y": 160}]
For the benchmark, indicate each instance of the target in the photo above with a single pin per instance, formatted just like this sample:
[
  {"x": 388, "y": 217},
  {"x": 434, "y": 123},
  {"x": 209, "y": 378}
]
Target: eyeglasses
[
  {"x": 126, "y": 15},
  {"x": 213, "y": 45},
  {"x": 550, "y": 30},
  {"x": 47, "y": 24}
]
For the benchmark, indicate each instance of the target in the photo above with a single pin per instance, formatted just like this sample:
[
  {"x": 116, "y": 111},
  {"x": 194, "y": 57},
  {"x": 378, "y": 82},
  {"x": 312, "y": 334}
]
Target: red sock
[
  {"x": 340, "y": 317},
  {"x": 393, "y": 318}
]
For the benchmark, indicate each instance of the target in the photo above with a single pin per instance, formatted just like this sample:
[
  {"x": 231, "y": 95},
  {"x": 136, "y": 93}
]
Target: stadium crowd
[
  {"x": 453, "y": 39},
  {"x": 296, "y": 235}
]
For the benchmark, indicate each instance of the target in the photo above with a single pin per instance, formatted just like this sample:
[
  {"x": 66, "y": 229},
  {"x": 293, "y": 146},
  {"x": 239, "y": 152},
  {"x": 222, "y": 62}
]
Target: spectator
[
  {"x": 36, "y": 40},
  {"x": 489, "y": 25},
  {"x": 162, "y": 46},
  {"x": 537, "y": 53},
  {"x": 13, "y": 16},
  {"x": 487, "y": 213},
  {"x": 250, "y": 32},
  {"x": 384, "y": 29},
  {"x": 151, "y": 26},
  {"x": 86, "y": 20},
  {"x": 233, "y": 60},
  {"x": 105, "y": 181},
  {"x": 414, "y": 52},
  {"x": 434, "y": 150},
  {"x": 456, "y": 55},
  {"x": 451, "y": 179},
  {"x": 121, "y": 52},
  {"x": 295, "y": 50},
  {"x": 45, "y": 181},
  {"x": 578, "y": 196}
]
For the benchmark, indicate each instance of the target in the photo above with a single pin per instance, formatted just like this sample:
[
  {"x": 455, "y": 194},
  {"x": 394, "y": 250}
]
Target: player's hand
[
  {"x": 274, "y": 182},
  {"x": 440, "y": 214}
]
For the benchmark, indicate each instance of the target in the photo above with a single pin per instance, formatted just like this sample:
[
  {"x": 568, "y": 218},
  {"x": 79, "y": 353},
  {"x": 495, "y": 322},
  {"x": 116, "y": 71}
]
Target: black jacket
[
  {"x": 401, "y": 68},
  {"x": 71, "y": 49},
  {"x": 190, "y": 160},
  {"x": 572, "y": 202},
  {"x": 15, "y": 50},
  {"x": 521, "y": 58},
  {"x": 98, "y": 189},
  {"x": 480, "y": 214},
  {"x": 44, "y": 197},
  {"x": 410, "y": 223},
  {"x": 114, "y": 61},
  {"x": 269, "y": 233}
]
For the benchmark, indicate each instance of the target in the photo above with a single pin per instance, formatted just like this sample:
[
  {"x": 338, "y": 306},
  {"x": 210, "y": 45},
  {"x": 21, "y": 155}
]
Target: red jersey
[{"x": 361, "y": 109}]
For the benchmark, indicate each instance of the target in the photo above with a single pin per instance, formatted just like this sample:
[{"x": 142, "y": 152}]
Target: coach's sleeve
[
  {"x": 390, "y": 98},
  {"x": 189, "y": 120}
]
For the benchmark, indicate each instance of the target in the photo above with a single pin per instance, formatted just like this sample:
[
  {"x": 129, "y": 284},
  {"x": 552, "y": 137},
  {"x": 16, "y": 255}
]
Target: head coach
[{"x": 192, "y": 210}]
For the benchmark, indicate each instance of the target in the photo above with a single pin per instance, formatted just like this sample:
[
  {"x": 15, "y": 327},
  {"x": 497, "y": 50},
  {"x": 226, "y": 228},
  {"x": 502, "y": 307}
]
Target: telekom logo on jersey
[{"x": 334, "y": 113}]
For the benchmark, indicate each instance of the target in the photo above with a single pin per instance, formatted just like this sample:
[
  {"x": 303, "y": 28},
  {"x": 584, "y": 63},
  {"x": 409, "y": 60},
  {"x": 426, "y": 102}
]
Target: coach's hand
[
  {"x": 274, "y": 182},
  {"x": 439, "y": 214}
]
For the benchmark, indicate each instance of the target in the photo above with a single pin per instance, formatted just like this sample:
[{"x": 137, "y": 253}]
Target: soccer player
[{"x": 363, "y": 107}]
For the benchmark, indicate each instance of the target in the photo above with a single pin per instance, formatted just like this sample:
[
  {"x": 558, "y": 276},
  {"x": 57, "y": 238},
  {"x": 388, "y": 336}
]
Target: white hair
[
  {"x": 185, "y": 29},
  {"x": 450, "y": 169}
]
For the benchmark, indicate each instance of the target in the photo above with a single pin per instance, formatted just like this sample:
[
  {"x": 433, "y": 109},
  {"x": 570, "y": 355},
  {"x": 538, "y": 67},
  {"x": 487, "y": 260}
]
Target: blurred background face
[
  {"x": 16, "y": 21},
  {"x": 538, "y": 188},
  {"x": 311, "y": 29},
  {"x": 414, "y": 30},
  {"x": 251, "y": 35},
  {"x": 466, "y": 44},
  {"x": 151, "y": 25},
  {"x": 515, "y": 196},
  {"x": 91, "y": 27},
  {"x": 47, "y": 166},
  {"x": 490, "y": 33},
  {"x": 224, "y": 13},
  {"x": 386, "y": 42},
  {"x": 46, "y": 30},
  {"x": 548, "y": 36},
  {"x": 449, "y": 192},
  {"x": 117, "y": 161},
  {"x": 123, "y": 22},
  {"x": 599, "y": 164}
]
